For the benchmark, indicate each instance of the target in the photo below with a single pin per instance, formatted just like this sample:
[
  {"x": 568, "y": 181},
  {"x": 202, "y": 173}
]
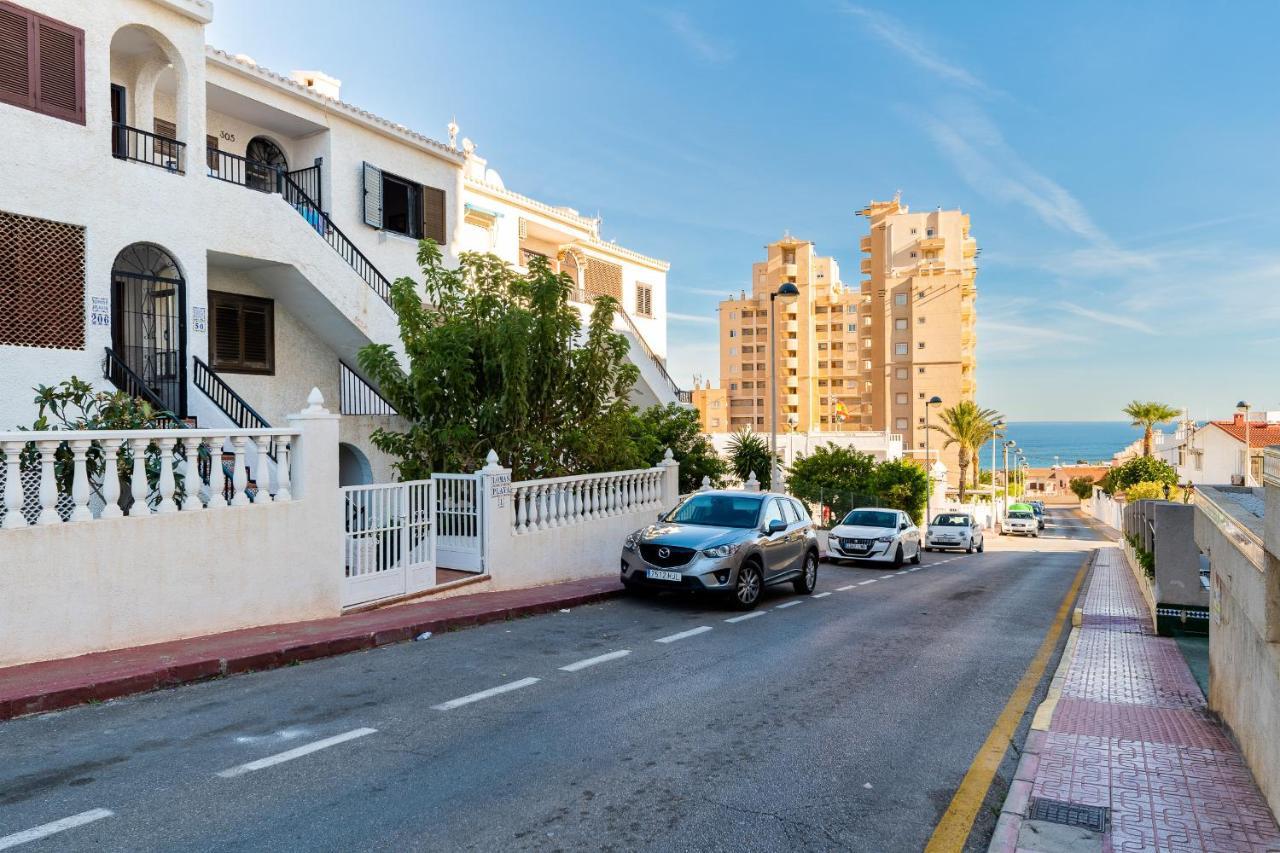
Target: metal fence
[{"x": 389, "y": 540}]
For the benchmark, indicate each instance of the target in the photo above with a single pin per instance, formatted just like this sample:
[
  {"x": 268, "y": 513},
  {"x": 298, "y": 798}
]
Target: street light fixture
[
  {"x": 996, "y": 435},
  {"x": 928, "y": 477},
  {"x": 1243, "y": 407},
  {"x": 788, "y": 293},
  {"x": 1008, "y": 445}
]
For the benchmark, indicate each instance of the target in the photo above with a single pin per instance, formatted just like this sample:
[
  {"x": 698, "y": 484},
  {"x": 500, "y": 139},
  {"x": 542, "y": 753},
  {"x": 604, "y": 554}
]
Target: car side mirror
[
  {"x": 777, "y": 525},
  {"x": 902, "y": 526},
  {"x": 662, "y": 516}
]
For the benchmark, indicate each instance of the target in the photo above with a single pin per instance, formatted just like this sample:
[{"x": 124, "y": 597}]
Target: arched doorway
[
  {"x": 353, "y": 466},
  {"x": 266, "y": 160},
  {"x": 148, "y": 332}
]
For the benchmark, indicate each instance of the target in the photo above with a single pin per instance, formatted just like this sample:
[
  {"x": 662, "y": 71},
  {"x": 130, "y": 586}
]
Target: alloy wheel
[{"x": 748, "y": 585}]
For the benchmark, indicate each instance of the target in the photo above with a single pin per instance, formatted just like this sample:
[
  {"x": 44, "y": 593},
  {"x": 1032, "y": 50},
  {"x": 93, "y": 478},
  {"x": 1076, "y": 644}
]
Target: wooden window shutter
[
  {"x": 644, "y": 300},
  {"x": 60, "y": 85},
  {"x": 255, "y": 320},
  {"x": 17, "y": 56},
  {"x": 211, "y": 152},
  {"x": 433, "y": 214},
  {"x": 372, "y": 196},
  {"x": 243, "y": 339},
  {"x": 226, "y": 332}
]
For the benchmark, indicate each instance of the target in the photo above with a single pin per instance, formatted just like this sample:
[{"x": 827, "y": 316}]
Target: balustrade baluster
[
  {"x": 80, "y": 481},
  {"x": 139, "y": 489},
  {"x": 591, "y": 497},
  {"x": 188, "y": 466},
  {"x": 111, "y": 478},
  {"x": 262, "y": 474},
  {"x": 239, "y": 477},
  {"x": 539, "y": 515},
  {"x": 577, "y": 502},
  {"x": 48, "y": 484},
  {"x": 13, "y": 497},
  {"x": 522, "y": 511},
  {"x": 217, "y": 477},
  {"x": 166, "y": 485},
  {"x": 284, "y": 480}
]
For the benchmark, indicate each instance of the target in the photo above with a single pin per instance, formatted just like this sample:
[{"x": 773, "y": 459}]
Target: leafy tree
[
  {"x": 1151, "y": 491},
  {"x": 832, "y": 476},
  {"x": 748, "y": 454},
  {"x": 499, "y": 360},
  {"x": 1140, "y": 469},
  {"x": 1082, "y": 487},
  {"x": 678, "y": 428},
  {"x": 1146, "y": 415},
  {"x": 903, "y": 484},
  {"x": 967, "y": 426}
]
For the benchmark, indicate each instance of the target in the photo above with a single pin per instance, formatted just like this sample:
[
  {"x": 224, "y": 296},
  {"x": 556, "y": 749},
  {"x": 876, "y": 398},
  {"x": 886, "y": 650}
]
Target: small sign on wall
[
  {"x": 198, "y": 315},
  {"x": 99, "y": 311}
]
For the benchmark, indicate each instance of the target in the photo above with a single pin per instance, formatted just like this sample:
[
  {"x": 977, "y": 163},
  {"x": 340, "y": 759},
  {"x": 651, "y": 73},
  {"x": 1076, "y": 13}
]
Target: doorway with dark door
[{"x": 148, "y": 332}]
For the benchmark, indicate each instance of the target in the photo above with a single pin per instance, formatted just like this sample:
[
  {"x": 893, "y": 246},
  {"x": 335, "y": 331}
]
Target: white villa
[{"x": 218, "y": 238}]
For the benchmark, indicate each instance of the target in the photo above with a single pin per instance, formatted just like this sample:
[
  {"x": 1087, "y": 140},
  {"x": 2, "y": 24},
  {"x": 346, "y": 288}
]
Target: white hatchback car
[
  {"x": 880, "y": 535},
  {"x": 953, "y": 530}
]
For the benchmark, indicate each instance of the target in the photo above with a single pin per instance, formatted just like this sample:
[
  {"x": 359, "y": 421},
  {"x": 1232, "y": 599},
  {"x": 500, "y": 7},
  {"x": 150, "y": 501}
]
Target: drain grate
[{"x": 1069, "y": 814}]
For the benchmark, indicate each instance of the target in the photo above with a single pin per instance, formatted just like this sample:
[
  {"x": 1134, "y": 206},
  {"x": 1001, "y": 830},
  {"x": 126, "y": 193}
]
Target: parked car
[
  {"x": 728, "y": 542},
  {"x": 872, "y": 533},
  {"x": 1020, "y": 520},
  {"x": 1038, "y": 508},
  {"x": 954, "y": 530}
]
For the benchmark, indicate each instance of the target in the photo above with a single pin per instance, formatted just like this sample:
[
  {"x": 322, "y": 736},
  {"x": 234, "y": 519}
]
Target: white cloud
[
  {"x": 913, "y": 48},
  {"x": 702, "y": 45},
  {"x": 692, "y": 318},
  {"x": 1124, "y": 321}
]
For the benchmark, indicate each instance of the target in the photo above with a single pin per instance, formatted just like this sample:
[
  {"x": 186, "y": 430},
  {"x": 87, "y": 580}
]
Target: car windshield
[
  {"x": 1020, "y": 514},
  {"x": 951, "y": 521},
  {"x": 717, "y": 511},
  {"x": 871, "y": 518}
]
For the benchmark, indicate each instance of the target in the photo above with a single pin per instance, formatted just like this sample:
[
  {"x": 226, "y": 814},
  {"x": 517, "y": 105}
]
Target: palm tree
[
  {"x": 967, "y": 426},
  {"x": 987, "y": 433},
  {"x": 748, "y": 454},
  {"x": 1147, "y": 415}
]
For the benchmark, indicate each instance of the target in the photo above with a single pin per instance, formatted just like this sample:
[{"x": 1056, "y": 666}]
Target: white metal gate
[
  {"x": 458, "y": 518},
  {"x": 390, "y": 540}
]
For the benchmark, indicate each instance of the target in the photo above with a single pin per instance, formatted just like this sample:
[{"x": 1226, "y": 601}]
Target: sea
[{"x": 1069, "y": 441}]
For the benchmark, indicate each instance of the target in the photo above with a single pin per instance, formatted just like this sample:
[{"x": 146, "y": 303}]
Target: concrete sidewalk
[
  {"x": 1123, "y": 755},
  {"x": 48, "y": 685}
]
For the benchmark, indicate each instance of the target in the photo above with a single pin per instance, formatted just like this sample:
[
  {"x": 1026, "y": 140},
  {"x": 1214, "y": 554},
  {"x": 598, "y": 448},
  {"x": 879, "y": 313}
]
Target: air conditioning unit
[{"x": 1237, "y": 479}]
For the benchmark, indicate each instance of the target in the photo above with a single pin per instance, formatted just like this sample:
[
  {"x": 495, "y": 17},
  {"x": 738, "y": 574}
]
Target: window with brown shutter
[
  {"x": 41, "y": 63},
  {"x": 644, "y": 302},
  {"x": 433, "y": 215},
  {"x": 242, "y": 337}
]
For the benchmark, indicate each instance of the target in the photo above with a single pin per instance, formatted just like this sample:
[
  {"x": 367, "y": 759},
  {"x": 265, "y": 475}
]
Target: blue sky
[{"x": 1118, "y": 160}]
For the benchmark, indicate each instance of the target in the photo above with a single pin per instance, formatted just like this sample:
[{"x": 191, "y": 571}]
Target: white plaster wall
[{"x": 591, "y": 549}]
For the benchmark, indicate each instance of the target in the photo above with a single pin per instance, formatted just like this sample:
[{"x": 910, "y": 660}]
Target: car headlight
[
  {"x": 885, "y": 539},
  {"x": 720, "y": 551},
  {"x": 630, "y": 542}
]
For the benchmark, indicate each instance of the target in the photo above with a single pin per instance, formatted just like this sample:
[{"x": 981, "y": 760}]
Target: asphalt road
[{"x": 844, "y": 721}]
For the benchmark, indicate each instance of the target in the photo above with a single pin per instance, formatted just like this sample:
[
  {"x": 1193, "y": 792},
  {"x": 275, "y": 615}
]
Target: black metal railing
[
  {"x": 119, "y": 374},
  {"x": 141, "y": 146},
  {"x": 681, "y": 395},
  {"x": 226, "y": 399},
  {"x": 243, "y": 171},
  {"x": 332, "y": 234},
  {"x": 308, "y": 181},
  {"x": 357, "y": 397}
]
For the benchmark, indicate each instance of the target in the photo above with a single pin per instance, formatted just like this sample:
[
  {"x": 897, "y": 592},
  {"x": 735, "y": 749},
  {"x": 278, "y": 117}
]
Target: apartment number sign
[
  {"x": 99, "y": 311},
  {"x": 227, "y": 135},
  {"x": 198, "y": 317}
]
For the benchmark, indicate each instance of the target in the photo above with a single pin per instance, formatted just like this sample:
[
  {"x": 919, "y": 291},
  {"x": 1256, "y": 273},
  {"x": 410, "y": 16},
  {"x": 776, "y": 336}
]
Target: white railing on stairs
[
  {"x": 564, "y": 501},
  {"x": 59, "y": 476}
]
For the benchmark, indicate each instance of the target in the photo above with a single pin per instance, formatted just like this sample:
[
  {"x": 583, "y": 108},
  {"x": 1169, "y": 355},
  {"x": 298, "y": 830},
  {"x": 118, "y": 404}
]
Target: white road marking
[
  {"x": 583, "y": 664},
  {"x": 484, "y": 694},
  {"x": 298, "y": 752},
  {"x": 745, "y": 616},
  {"x": 692, "y": 632},
  {"x": 916, "y": 569},
  {"x": 821, "y": 594},
  {"x": 882, "y": 577},
  {"x": 787, "y": 604},
  {"x": 845, "y": 588},
  {"x": 47, "y": 829},
  {"x": 864, "y": 583}
]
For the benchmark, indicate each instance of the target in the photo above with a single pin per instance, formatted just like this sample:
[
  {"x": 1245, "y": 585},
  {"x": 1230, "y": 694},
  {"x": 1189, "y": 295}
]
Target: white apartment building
[{"x": 218, "y": 238}]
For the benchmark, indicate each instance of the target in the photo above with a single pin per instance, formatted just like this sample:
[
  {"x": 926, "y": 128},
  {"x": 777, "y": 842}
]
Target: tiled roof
[{"x": 1261, "y": 433}]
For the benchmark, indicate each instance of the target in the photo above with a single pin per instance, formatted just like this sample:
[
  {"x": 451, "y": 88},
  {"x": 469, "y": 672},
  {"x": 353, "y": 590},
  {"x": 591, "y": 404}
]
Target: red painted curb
[{"x": 255, "y": 654}]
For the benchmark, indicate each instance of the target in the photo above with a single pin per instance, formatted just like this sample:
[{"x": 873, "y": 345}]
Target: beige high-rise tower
[
  {"x": 817, "y": 340},
  {"x": 917, "y": 319}
]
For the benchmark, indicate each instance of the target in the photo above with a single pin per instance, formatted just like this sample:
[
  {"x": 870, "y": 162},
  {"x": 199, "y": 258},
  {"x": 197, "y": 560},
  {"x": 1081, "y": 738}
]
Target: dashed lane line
[
  {"x": 787, "y": 604},
  {"x": 745, "y": 616},
  {"x": 821, "y": 594},
  {"x": 692, "y": 632},
  {"x": 297, "y": 752},
  {"x": 844, "y": 588},
  {"x": 864, "y": 583},
  {"x": 484, "y": 694},
  {"x": 886, "y": 577},
  {"x": 604, "y": 658},
  {"x": 52, "y": 828}
]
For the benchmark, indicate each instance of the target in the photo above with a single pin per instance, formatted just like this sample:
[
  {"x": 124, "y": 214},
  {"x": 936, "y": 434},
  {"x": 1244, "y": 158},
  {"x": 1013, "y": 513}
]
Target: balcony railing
[
  {"x": 141, "y": 146},
  {"x": 357, "y": 397},
  {"x": 263, "y": 177}
]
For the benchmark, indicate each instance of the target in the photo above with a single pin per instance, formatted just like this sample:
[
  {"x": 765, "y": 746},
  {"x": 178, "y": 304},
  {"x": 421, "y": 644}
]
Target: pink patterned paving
[{"x": 1131, "y": 732}]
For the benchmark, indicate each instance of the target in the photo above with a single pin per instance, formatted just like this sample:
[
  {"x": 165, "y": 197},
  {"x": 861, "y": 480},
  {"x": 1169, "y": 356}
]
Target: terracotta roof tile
[{"x": 1261, "y": 433}]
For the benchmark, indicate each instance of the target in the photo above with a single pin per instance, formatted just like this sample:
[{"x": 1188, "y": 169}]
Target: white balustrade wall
[
  {"x": 565, "y": 501},
  {"x": 96, "y": 555}
]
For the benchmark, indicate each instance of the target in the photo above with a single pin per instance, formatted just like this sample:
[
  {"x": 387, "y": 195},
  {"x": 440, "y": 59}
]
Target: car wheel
[
  {"x": 915, "y": 558},
  {"x": 808, "y": 579},
  {"x": 897, "y": 558},
  {"x": 927, "y": 548},
  {"x": 746, "y": 592},
  {"x": 969, "y": 549}
]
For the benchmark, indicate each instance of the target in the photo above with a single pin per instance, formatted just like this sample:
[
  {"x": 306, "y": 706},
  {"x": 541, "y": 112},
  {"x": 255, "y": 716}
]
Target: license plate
[{"x": 659, "y": 575}]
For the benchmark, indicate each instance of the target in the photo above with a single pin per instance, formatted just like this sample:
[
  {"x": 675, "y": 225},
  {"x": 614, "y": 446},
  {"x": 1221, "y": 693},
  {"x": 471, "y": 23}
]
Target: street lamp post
[
  {"x": 1242, "y": 406},
  {"x": 787, "y": 292},
  {"x": 996, "y": 435},
  {"x": 928, "y": 477},
  {"x": 1004, "y": 499}
]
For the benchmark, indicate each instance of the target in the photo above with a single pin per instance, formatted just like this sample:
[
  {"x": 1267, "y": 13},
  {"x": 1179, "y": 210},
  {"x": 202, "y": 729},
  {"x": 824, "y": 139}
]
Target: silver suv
[{"x": 729, "y": 542}]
